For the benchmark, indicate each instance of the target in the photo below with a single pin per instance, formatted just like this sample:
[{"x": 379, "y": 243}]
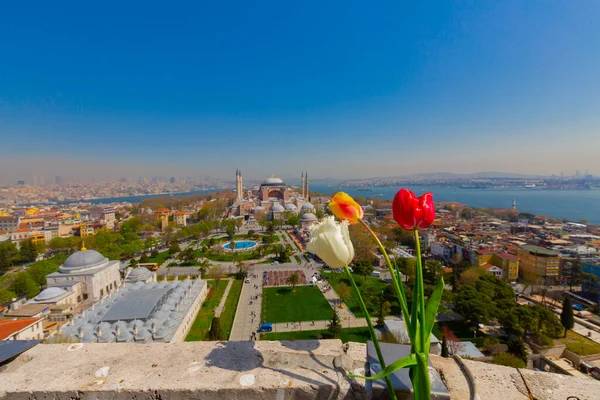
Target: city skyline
[{"x": 348, "y": 92}]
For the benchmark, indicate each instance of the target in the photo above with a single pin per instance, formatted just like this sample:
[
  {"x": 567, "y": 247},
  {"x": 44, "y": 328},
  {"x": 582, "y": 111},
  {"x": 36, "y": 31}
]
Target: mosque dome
[
  {"x": 307, "y": 206},
  {"x": 278, "y": 208},
  {"x": 273, "y": 181},
  {"x": 83, "y": 260},
  {"x": 49, "y": 293},
  {"x": 290, "y": 207},
  {"x": 308, "y": 217},
  {"x": 139, "y": 274},
  {"x": 258, "y": 208}
]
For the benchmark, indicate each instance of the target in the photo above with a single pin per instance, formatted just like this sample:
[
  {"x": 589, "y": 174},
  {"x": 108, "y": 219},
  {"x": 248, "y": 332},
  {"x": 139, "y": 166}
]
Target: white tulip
[{"x": 330, "y": 240}]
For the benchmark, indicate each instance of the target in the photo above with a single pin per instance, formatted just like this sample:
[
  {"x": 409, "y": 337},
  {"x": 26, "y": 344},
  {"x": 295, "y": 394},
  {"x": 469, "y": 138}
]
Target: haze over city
[{"x": 346, "y": 91}]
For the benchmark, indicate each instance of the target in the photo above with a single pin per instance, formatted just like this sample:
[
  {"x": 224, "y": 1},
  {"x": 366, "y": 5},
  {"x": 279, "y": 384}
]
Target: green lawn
[
  {"x": 298, "y": 259},
  {"x": 580, "y": 345},
  {"x": 461, "y": 329},
  {"x": 228, "y": 256},
  {"x": 201, "y": 325},
  {"x": 228, "y": 314},
  {"x": 360, "y": 335},
  {"x": 369, "y": 289},
  {"x": 307, "y": 303},
  {"x": 161, "y": 258}
]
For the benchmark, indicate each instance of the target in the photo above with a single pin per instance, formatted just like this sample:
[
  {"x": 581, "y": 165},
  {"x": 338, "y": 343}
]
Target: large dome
[
  {"x": 290, "y": 207},
  {"x": 273, "y": 181},
  {"x": 85, "y": 259},
  {"x": 278, "y": 208}
]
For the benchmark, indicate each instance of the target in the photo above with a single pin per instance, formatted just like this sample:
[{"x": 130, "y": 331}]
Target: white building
[{"x": 98, "y": 275}]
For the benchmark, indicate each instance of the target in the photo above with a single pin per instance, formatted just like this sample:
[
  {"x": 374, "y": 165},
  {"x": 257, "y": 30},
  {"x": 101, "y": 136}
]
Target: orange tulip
[{"x": 345, "y": 208}]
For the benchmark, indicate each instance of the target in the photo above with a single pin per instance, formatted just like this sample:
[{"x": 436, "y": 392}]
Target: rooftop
[
  {"x": 9, "y": 327},
  {"x": 539, "y": 250}
]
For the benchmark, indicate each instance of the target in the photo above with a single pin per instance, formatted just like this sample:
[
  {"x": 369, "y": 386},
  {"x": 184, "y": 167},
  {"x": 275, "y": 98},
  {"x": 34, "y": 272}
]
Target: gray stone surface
[
  {"x": 497, "y": 382},
  {"x": 546, "y": 386},
  {"x": 244, "y": 370}
]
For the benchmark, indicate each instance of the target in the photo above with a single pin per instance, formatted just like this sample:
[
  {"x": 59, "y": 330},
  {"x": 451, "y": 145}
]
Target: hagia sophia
[{"x": 272, "y": 198}]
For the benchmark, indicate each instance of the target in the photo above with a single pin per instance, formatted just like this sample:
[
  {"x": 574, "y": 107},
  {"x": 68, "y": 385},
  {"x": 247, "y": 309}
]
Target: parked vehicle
[
  {"x": 266, "y": 327},
  {"x": 578, "y": 307}
]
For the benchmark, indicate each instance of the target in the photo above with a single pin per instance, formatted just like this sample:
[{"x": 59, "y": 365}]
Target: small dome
[
  {"x": 49, "y": 293},
  {"x": 307, "y": 206},
  {"x": 86, "y": 259},
  {"x": 278, "y": 208},
  {"x": 139, "y": 274},
  {"x": 308, "y": 217},
  {"x": 291, "y": 207}
]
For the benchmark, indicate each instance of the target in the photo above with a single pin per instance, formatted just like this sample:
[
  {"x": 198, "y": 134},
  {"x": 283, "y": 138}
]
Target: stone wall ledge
[{"x": 249, "y": 370}]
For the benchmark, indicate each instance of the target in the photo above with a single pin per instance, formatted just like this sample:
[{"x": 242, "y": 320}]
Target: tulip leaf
[
  {"x": 407, "y": 361},
  {"x": 431, "y": 310},
  {"x": 422, "y": 372}
]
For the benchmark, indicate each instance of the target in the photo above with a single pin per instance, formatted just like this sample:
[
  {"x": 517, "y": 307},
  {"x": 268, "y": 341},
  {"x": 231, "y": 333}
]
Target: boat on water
[{"x": 365, "y": 190}]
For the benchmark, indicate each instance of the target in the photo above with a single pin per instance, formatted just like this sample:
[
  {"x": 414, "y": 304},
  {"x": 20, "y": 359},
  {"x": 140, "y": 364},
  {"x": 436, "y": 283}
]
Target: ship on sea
[{"x": 365, "y": 190}]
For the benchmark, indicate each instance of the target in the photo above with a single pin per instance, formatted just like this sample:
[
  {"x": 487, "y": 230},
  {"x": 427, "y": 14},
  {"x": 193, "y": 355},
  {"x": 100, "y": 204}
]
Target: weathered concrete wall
[{"x": 248, "y": 370}]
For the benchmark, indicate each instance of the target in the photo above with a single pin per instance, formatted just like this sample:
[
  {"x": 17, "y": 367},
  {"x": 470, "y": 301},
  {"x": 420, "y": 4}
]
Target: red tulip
[{"x": 411, "y": 211}]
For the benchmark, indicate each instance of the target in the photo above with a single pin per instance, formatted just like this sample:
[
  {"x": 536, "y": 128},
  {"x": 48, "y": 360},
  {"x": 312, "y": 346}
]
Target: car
[
  {"x": 275, "y": 263},
  {"x": 578, "y": 307},
  {"x": 266, "y": 327},
  {"x": 247, "y": 280}
]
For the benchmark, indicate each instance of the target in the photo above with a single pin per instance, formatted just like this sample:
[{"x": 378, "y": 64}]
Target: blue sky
[{"x": 342, "y": 89}]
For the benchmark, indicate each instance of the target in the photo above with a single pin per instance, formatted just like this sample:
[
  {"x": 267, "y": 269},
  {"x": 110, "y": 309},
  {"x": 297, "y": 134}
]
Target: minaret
[
  {"x": 239, "y": 186},
  {"x": 514, "y": 204},
  {"x": 302, "y": 183},
  {"x": 307, "y": 197}
]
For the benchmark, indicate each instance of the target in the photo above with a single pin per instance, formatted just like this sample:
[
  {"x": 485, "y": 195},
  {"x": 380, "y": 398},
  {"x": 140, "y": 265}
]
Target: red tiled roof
[
  {"x": 9, "y": 327},
  {"x": 508, "y": 256},
  {"x": 487, "y": 266}
]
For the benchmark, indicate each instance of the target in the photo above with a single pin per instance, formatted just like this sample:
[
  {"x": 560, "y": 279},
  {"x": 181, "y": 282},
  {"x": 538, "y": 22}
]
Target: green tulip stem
[
  {"x": 395, "y": 281},
  {"x": 363, "y": 308},
  {"x": 421, "y": 343}
]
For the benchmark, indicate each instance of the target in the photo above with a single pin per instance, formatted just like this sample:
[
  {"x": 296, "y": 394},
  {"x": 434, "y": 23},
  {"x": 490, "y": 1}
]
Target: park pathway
[{"x": 221, "y": 306}]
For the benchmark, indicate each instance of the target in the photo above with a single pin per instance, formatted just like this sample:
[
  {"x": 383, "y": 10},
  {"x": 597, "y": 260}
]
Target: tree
[
  {"x": 433, "y": 271},
  {"x": 24, "y": 285},
  {"x": 293, "y": 280},
  {"x": 203, "y": 267},
  {"x": 343, "y": 291},
  {"x": 8, "y": 254},
  {"x": 364, "y": 246},
  {"x": 150, "y": 243},
  {"x": 363, "y": 267},
  {"x": 144, "y": 259},
  {"x": 174, "y": 249},
  {"x": 28, "y": 251},
  {"x": 384, "y": 309},
  {"x": 335, "y": 325},
  {"x": 453, "y": 342},
  {"x": 215, "y": 330},
  {"x": 293, "y": 220},
  {"x": 216, "y": 274},
  {"x": 566, "y": 316},
  {"x": 472, "y": 304},
  {"x": 508, "y": 360},
  {"x": 470, "y": 275},
  {"x": 444, "y": 347},
  {"x": 40, "y": 269},
  {"x": 188, "y": 255}
]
